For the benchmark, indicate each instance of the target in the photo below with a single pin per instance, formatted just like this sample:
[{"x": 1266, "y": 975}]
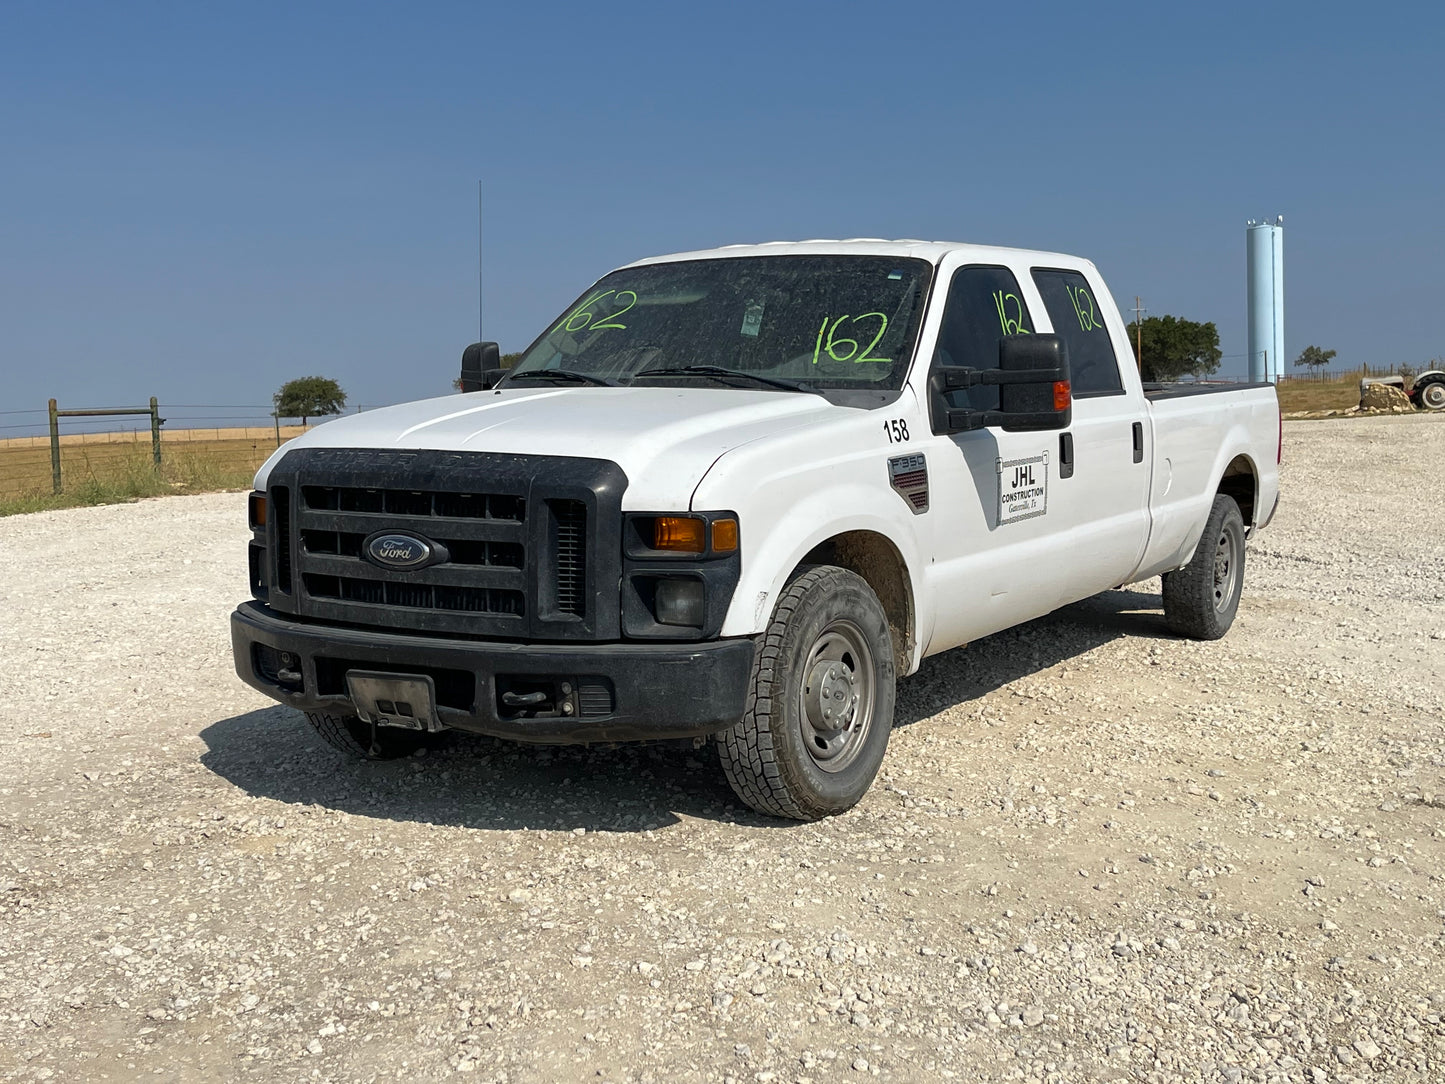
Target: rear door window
[
  {"x": 1079, "y": 321},
  {"x": 984, "y": 305}
]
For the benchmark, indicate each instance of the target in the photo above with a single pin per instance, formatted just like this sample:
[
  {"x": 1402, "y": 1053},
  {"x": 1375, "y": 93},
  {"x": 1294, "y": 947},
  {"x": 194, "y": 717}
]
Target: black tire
[
  {"x": 1201, "y": 599},
  {"x": 828, "y": 640},
  {"x": 353, "y": 737},
  {"x": 1430, "y": 395}
]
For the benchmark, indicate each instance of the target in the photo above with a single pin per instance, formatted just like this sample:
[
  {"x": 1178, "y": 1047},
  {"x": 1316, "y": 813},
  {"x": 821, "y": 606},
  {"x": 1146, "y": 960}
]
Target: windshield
[{"x": 839, "y": 322}]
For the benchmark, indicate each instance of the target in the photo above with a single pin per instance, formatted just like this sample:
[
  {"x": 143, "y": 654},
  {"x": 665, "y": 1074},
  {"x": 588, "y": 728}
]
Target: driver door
[{"x": 997, "y": 543}]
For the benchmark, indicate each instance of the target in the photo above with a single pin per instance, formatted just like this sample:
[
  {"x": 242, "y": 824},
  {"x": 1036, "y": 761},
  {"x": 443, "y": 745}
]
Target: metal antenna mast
[{"x": 480, "y": 333}]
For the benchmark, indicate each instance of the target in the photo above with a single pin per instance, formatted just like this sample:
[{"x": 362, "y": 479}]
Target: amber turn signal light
[
  {"x": 257, "y": 510},
  {"x": 680, "y": 534},
  {"x": 724, "y": 535},
  {"x": 1062, "y": 395}
]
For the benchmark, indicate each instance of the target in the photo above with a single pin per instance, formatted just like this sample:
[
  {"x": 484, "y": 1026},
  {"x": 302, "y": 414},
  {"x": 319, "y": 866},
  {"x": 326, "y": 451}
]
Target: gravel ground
[{"x": 1096, "y": 852}]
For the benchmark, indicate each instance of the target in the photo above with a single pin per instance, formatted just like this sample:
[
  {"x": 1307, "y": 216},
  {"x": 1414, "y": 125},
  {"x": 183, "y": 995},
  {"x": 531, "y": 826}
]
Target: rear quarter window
[{"x": 1079, "y": 321}]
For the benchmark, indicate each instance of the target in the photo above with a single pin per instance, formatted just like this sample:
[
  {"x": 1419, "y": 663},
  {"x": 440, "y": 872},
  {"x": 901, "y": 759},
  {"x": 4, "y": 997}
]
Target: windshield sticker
[
  {"x": 753, "y": 320},
  {"x": 1023, "y": 488},
  {"x": 1084, "y": 308},
  {"x": 585, "y": 318},
  {"x": 894, "y": 276},
  {"x": 846, "y": 349},
  {"x": 1006, "y": 303}
]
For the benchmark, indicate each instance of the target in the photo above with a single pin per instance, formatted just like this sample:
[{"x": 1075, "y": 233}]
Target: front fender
[{"x": 774, "y": 547}]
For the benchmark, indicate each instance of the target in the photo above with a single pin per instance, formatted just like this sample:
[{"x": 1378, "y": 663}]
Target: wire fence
[
  {"x": 182, "y": 421},
  {"x": 1364, "y": 371}
]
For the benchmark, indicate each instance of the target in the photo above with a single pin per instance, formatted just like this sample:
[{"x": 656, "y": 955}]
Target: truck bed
[{"x": 1155, "y": 392}]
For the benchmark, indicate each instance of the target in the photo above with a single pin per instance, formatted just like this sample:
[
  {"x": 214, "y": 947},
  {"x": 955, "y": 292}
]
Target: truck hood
[{"x": 664, "y": 439}]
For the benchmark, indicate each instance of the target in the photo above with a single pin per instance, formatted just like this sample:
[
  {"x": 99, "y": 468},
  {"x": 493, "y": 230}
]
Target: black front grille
[
  {"x": 460, "y": 551},
  {"x": 427, "y": 596},
  {"x": 569, "y": 519},
  {"x": 411, "y": 502},
  {"x": 481, "y": 534},
  {"x": 281, "y": 502},
  {"x": 514, "y": 541}
]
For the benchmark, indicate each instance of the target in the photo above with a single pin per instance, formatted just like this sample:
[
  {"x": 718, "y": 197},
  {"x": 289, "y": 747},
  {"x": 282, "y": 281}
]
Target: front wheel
[
  {"x": 1201, "y": 599},
  {"x": 821, "y": 703}
]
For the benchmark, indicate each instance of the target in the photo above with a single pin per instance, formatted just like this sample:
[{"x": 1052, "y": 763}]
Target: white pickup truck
[{"x": 737, "y": 494}]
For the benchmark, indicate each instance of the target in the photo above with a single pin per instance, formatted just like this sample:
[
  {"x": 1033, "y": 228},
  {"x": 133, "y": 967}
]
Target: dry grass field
[
  {"x": 1296, "y": 395},
  {"x": 99, "y": 468}
]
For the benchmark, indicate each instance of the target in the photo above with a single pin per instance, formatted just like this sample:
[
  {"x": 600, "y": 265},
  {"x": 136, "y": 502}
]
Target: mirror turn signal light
[
  {"x": 256, "y": 509},
  {"x": 1063, "y": 395}
]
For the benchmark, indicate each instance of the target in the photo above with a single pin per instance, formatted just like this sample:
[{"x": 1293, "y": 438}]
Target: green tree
[
  {"x": 1174, "y": 347},
  {"x": 307, "y": 397},
  {"x": 1314, "y": 357}
]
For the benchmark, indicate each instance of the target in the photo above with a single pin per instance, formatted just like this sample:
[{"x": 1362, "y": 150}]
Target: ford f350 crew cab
[{"x": 737, "y": 494}]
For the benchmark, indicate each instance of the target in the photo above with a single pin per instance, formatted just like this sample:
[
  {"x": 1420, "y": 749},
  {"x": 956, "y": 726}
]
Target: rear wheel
[
  {"x": 1431, "y": 396},
  {"x": 821, "y": 704},
  {"x": 354, "y": 737},
  {"x": 1201, "y": 599}
]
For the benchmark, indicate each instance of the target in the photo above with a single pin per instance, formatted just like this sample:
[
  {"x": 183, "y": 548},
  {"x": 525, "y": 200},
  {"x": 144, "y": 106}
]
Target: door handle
[
  {"x": 1066, "y": 455},
  {"x": 1138, "y": 442}
]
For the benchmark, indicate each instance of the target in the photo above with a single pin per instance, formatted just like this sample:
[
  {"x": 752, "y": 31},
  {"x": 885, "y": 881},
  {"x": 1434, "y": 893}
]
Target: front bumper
[{"x": 616, "y": 692}]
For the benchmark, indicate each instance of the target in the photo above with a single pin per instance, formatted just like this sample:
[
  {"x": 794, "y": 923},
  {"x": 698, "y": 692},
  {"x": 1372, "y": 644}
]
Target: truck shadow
[
  {"x": 477, "y": 782},
  {"x": 956, "y": 678}
]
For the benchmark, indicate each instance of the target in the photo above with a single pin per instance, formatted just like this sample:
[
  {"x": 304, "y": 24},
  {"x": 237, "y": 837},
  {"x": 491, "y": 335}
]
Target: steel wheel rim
[
  {"x": 1226, "y": 570},
  {"x": 835, "y": 701},
  {"x": 1433, "y": 396}
]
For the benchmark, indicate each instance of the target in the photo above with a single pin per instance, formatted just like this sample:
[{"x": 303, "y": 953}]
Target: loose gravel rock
[{"x": 1096, "y": 852}]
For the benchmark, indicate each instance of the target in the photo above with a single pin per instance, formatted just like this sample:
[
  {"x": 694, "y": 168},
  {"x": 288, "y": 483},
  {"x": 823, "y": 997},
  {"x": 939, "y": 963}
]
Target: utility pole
[{"x": 1139, "y": 312}]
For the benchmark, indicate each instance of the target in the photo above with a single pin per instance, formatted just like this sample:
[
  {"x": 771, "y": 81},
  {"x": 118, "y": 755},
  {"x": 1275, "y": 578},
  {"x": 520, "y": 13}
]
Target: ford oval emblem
[{"x": 393, "y": 549}]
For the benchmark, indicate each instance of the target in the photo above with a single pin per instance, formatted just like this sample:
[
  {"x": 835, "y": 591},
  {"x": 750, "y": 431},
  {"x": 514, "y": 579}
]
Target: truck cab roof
[{"x": 932, "y": 251}]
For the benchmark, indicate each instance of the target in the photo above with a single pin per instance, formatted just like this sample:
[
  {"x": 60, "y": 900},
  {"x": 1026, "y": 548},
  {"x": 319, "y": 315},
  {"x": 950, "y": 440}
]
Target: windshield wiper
[
  {"x": 570, "y": 376},
  {"x": 717, "y": 372}
]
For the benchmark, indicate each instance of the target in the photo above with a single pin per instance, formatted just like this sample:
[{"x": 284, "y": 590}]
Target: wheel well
[
  {"x": 877, "y": 560},
  {"x": 1240, "y": 483}
]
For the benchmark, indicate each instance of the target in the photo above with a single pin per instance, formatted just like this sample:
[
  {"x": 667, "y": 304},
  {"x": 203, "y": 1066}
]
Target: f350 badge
[{"x": 908, "y": 474}]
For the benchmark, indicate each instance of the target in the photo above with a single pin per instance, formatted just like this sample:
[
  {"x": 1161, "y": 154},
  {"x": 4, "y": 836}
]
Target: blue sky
[{"x": 200, "y": 201}]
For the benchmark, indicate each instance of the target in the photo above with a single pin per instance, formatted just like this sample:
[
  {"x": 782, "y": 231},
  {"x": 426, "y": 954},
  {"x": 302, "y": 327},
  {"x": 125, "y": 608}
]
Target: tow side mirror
[
  {"x": 481, "y": 366},
  {"x": 1033, "y": 388}
]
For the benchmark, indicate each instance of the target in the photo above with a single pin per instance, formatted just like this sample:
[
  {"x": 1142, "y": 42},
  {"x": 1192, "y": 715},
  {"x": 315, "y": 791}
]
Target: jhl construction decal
[{"x": 1023, "y": 488}]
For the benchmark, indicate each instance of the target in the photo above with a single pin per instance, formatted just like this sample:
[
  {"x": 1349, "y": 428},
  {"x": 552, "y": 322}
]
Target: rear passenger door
[{"x": 1101, "y": 485}]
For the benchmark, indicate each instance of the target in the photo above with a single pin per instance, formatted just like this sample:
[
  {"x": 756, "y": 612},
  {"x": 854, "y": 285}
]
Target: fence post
[
  {"x": 277, "y": 419},
  {"x": 155, "y": 432},
  {"x": 54, "y": 448}
]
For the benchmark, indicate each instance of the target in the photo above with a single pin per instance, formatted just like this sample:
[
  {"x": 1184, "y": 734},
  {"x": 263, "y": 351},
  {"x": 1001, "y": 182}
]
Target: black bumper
[{"x": 619, "y": 692}]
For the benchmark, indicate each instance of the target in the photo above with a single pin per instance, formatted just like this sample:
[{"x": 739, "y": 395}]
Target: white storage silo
[{"x": 1264, "y": 245}]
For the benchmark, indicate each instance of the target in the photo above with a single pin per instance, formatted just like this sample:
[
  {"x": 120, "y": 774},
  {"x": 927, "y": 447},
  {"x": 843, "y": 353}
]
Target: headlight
[
  {"x": 649, "y": 535},
  {"x": 256, "y": 511},
  {"x": 679, "y": 572}
]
